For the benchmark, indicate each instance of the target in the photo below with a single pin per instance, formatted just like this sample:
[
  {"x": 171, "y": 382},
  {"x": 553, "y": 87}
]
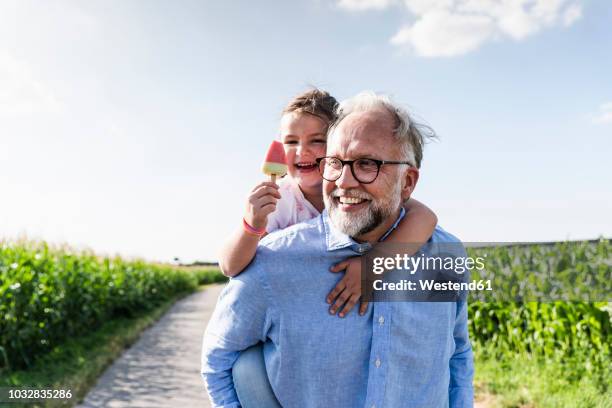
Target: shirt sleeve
[
  {"x": 240, "y": 320},
  {"x": 461, "y": 391},
  {"x": 273, "y": 223},
  {"x": 284, "y": 215}
]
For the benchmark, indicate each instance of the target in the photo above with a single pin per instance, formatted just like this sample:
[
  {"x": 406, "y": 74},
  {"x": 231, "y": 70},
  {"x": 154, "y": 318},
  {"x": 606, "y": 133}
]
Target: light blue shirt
[{"x": 400, "y": 354}]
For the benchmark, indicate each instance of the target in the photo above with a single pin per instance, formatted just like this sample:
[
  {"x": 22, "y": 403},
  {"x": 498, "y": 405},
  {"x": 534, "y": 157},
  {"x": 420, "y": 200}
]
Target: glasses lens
[
  {"x": 330, "y": 168},
  {"x": 366, "y": 170}
]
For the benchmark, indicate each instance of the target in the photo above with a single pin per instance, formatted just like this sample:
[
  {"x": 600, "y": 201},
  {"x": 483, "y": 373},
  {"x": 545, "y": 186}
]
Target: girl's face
[{"x": 304, "y": 138}]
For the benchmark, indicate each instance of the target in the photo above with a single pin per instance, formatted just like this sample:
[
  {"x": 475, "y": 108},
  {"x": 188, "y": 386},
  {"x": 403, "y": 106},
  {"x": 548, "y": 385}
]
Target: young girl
[{"x": 299, "y": 197}]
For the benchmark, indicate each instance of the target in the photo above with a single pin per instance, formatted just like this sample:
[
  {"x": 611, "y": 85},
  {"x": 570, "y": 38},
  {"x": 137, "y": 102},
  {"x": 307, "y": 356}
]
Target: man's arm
[
  {"x": 240, "y": 320},
  {"x": 461, "y": 391}
]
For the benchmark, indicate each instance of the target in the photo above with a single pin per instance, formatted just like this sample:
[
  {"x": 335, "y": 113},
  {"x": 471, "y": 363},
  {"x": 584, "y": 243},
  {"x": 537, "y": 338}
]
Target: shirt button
[
  {"x": 377, "y": 363},
  {"x": 381, "y": 320}
]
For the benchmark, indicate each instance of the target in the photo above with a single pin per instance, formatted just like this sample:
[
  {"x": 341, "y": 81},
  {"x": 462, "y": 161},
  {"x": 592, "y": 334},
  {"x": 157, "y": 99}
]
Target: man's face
[{"x": 355, "y": 208}]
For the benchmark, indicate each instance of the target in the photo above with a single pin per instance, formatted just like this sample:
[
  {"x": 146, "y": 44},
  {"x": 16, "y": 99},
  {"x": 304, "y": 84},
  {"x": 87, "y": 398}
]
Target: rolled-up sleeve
[
  {"x": 461, "y": 391},
  {"x": 240, "y": 320}
]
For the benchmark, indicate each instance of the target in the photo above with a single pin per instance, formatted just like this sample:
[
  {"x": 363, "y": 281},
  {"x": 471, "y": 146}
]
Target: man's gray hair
[{"x": 410, "y": 134}]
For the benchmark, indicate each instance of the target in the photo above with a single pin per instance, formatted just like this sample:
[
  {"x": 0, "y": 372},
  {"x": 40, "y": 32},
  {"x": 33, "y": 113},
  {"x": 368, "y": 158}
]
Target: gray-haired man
[{"x": 400, "y": 354}]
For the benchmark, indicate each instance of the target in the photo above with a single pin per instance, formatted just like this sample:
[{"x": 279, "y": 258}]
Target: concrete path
[{"x": 162, "y": 369}]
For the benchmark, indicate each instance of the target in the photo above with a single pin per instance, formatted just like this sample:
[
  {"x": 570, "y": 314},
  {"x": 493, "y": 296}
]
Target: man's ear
[{"x": 409, "y": 181}]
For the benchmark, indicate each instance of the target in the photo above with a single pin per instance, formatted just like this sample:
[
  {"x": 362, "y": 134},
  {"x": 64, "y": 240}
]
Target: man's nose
[{"x": 347, "y": 180}]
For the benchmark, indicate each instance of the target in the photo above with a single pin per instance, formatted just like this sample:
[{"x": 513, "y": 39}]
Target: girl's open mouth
[{"x": 306, "y": 167}]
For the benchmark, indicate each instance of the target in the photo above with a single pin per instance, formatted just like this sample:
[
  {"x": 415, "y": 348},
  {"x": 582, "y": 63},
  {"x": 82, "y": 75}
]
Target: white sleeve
[
  {"x": 273, "y": 223},
  {"x": 284, "y": 215}
]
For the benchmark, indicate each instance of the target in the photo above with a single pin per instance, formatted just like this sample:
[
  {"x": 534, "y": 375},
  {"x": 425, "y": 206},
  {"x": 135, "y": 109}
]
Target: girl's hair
[{"x": 315, "y": 102}]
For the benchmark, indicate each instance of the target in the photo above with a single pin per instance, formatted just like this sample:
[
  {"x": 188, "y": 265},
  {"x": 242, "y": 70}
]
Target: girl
[{"x": 299, "y": 197}]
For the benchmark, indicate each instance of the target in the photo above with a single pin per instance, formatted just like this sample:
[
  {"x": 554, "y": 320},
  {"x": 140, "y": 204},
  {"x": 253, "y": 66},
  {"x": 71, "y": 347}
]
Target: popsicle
[{"x": 275, "y": 163}]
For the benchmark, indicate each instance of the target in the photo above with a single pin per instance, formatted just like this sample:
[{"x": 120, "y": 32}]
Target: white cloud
[
  {"x": 603, "y": 115},
  {"x": 361, "y": 5},
  {"x": 421, "y": 7},
  {"x": 462, "y": 33},
  {"x": 446, "y": 28},
  {"x": 21, "y": 92}
]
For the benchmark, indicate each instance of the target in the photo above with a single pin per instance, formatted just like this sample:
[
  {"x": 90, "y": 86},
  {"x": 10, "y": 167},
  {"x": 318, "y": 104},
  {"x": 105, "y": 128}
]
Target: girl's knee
[
  {"x": 251, "y": 379},
  {"x": 249, "y": 363}
]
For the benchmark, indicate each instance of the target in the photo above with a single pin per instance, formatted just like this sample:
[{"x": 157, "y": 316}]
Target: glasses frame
[{"x": 379, "y": 164}]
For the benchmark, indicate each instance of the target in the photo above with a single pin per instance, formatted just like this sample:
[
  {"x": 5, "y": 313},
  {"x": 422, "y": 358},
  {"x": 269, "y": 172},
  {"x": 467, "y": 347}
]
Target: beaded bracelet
[{"x": 251, "y": 230}]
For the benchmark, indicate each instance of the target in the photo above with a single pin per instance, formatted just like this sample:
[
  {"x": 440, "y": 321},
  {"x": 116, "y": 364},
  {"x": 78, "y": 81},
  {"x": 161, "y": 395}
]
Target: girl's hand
[
  {"x": 348, "y": 291},
  {"x": 261, "y": 202}
]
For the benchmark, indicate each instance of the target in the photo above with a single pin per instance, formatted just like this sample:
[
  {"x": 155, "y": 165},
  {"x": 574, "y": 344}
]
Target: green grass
[
  {"x": 49, "y": 294},
  {"x": 77, "y": 363},
  {"x": 522, "y": 381},
  {"x": 66, "y": 315},
  {"x": 206, "y": 276},
  {"x": 547, "y": 354}
]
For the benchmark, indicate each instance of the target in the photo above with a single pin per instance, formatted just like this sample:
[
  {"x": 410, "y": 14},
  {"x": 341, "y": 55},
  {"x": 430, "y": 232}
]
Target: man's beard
[{"x": 355, "y": 224}]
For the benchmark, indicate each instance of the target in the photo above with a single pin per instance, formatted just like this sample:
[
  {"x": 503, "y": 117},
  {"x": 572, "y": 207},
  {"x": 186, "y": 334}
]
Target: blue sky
[{"x": 138, "y": 127}]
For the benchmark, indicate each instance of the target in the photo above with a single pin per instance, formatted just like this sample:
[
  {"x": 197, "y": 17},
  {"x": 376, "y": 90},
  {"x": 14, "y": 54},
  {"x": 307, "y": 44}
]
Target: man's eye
[
  {"x": 366, "y": 165},
  {"x": 290, "y": 142},
  {"x": 319, "y": 141}
]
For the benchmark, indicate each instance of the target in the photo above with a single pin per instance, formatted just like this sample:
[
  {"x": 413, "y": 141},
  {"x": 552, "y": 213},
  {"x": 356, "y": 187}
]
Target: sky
[{"x": 138, "y": 127}]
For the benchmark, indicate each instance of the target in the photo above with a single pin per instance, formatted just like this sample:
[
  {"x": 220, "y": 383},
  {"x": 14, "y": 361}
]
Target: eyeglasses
[{"x": 364, "y": 170}]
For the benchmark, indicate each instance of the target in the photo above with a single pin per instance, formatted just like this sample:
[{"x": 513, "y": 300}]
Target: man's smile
[{"x": 350, "y": 202}]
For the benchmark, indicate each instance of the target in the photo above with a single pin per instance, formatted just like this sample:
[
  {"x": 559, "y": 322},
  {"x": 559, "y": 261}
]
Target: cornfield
[
  {"x": 48, "y": 295},
  {"x": 576, "y": 333}
]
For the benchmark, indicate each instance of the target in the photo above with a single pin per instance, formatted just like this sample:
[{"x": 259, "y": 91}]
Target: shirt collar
[{"x": 336, "y": 239}]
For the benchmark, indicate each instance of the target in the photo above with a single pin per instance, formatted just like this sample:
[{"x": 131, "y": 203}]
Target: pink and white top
[{"x": 292, "y": 207}]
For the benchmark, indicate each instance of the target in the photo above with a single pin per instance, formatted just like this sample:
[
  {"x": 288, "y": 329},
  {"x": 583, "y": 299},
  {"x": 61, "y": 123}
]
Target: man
[{"x": 400, "y": 354}]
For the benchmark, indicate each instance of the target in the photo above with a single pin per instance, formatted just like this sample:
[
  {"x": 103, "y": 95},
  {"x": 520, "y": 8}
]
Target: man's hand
[{"x": 348, "y": 291}]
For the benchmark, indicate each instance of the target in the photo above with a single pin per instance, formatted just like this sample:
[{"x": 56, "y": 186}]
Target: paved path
[{"x": 162, "y": 369}]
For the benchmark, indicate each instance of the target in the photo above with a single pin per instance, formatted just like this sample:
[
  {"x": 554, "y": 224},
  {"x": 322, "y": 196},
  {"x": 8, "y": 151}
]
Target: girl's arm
[
  {"x": 415, "y": 228},
  {"x": 239, "y": 251}
]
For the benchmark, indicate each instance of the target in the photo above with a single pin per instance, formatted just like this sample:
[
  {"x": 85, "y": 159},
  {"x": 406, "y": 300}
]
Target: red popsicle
[{"x": 275, "y": 163}]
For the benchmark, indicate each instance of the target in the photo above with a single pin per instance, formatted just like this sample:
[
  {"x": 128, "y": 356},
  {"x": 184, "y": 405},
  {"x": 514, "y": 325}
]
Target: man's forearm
[
  {"x": 461, "y": 391},
  {"x": 238, "y": 322},
  {"x": 217, "y": 365}
]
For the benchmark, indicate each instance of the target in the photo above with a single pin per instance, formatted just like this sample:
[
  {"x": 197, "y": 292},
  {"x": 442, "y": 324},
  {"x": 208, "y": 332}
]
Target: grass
[
  {"x": 514, "y": 381},
  {"x": 77, "y": 363},
  {"x": 50, "y": 294},
  {"x": 206, "y": 276},
  {"x": 530, "y": 383}
]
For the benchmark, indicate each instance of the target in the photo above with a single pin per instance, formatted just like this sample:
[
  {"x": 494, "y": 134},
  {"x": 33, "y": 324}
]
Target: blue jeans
[{"x": 251, "y": 380}]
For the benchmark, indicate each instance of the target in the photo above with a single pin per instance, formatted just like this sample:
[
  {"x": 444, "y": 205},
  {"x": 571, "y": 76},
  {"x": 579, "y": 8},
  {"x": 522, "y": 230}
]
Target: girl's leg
[{"x": 251, "y": 380}]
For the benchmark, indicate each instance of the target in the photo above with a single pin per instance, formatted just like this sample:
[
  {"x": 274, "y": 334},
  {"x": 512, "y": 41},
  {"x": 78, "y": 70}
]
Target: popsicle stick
[{"x": 273, "y": 178}]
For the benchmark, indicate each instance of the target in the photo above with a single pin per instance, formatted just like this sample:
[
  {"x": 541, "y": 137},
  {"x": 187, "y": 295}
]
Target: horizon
[{"x": 26, "y": 241}]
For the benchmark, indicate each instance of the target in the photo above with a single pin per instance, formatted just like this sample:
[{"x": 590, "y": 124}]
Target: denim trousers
[{"x": 251, "y": 380}]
